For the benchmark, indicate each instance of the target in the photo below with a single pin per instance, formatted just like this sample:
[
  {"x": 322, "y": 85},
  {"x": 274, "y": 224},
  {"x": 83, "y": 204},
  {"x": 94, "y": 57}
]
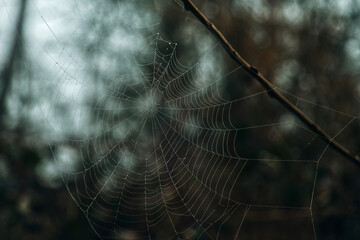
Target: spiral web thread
[{"x": 175, "y": 162}]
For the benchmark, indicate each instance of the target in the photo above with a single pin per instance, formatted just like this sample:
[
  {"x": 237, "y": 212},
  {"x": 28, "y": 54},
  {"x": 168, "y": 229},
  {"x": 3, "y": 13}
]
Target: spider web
[
  {"x": 171, "y": 154},
  {"x": 167, "y": 154}
]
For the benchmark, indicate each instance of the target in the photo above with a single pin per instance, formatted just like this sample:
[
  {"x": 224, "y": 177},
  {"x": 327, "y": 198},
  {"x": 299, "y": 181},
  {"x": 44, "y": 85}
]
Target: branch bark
[
  {"x": 6, "y": 73},
  {"x": 272, "y": 91}
]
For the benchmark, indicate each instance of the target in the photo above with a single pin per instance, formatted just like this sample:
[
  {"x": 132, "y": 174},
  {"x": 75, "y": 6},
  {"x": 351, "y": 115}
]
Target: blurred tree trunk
[{"x": 6, "y": 73}]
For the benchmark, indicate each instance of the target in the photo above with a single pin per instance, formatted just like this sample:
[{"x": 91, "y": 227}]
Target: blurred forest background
[{"x": 58, "y": 60}]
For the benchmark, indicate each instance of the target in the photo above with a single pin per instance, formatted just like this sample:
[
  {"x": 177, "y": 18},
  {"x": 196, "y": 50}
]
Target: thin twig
[{"x": 272, "y": 91}]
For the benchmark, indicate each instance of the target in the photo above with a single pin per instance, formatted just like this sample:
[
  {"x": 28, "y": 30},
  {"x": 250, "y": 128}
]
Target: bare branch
[{"x": 272, "y": 91}]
